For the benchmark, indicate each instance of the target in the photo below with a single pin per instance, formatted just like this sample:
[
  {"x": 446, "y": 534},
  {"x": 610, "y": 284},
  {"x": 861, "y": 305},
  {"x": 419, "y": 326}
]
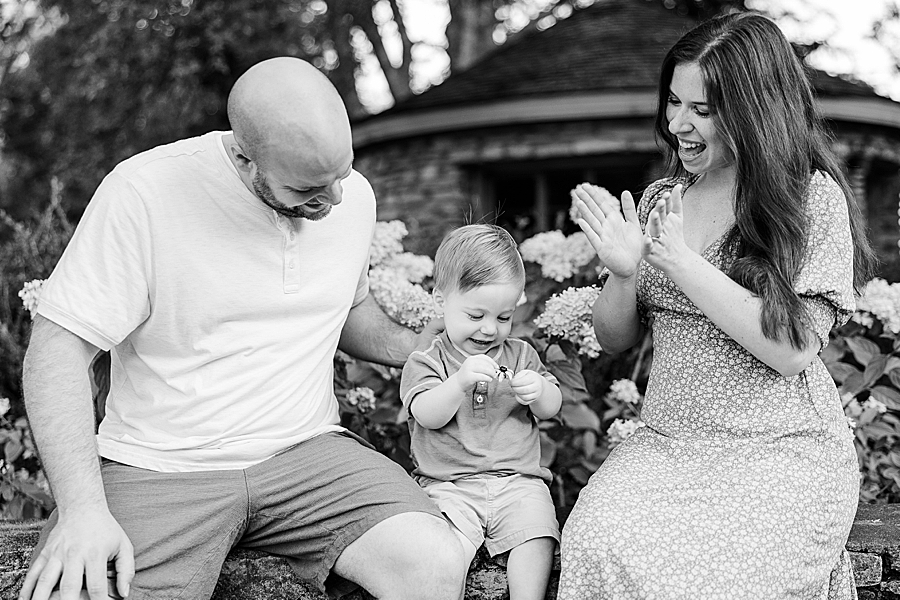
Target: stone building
[{"x": 508, "y": 138}]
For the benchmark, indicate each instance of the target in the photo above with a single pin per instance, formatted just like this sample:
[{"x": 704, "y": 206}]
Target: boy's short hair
[{"x": 476, "y": 255}]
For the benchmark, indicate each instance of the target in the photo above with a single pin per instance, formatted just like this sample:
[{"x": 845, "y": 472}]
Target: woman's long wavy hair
[{"x": 762, "y": 101}]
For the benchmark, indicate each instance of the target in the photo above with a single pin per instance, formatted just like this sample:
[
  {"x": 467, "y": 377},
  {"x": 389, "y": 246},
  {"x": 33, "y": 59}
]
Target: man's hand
[
  {"x": 432, "y": 329},
  {"x": 76, "y": 555}
]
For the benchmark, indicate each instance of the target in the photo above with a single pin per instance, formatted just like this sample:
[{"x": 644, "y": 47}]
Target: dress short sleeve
[{"x": 825, "y": 280}]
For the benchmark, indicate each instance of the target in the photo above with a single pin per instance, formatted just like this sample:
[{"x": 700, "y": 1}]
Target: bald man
[{"x": 222, "y": 272}]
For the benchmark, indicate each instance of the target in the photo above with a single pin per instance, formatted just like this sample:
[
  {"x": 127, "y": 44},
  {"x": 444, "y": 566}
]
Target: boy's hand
[
  {"x": 479, "y": 367},
  {"x": 528, "y": 386}
]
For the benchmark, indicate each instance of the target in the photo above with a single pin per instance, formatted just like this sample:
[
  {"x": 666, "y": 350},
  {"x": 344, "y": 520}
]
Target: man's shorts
[
  {"x": 500, "y": 512},
  {"x": 307, "y": 504}
]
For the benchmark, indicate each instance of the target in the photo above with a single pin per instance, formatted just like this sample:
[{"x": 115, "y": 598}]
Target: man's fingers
[
  {"x": 72, "y": 581},
  {"x": 95, "y": 581},
  {"x": 31, "y": 577},
  {"x": 125, "y": 561},
  {"x": 45, "y": 579}
]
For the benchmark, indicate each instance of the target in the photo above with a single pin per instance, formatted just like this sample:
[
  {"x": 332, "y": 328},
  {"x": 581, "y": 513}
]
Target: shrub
[{"x": 602, "y": 394}]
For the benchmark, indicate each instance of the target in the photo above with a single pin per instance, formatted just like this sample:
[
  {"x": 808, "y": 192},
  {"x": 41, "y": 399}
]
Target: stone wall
[
  {"x": 432, "y": 183},
  {"x": 874, "y": 546}
]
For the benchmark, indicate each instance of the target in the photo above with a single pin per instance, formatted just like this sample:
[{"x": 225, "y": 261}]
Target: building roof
[
  {"x": 612, "y": 45},
  {"x": 601, "y": 62}
]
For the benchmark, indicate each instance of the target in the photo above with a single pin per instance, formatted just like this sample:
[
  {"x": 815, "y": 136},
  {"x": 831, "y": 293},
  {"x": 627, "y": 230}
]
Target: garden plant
[{"x": 602, "y": 393}]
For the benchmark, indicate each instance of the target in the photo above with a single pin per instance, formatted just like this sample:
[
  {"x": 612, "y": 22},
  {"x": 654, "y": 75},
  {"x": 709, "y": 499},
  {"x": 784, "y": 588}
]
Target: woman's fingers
[
  {"x": 591, "y": 219},
  {"x": 586, "y": 204},
  {"x": 592, "y": 236},
  {"x": 628, "y": 209},
  {"x": 656, "y": 218},
  {"x": 675, "y": 204}
]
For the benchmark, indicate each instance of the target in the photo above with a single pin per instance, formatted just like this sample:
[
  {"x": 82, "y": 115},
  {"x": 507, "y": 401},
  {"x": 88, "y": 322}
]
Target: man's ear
[
  {"x": 241, "y": 160},
  {"x": 438, "y": 298}
]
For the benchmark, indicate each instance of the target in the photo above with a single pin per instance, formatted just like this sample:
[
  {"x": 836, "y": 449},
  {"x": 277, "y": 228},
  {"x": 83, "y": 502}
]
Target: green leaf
[
  {"x": 894, "y": 376},
  {"x": 853, "y": 384},
  {"x": 893, "y": 363},
  {"x": 571, "y": 381},
  {"x": 588, "y": 443},
  {"x": 863, "y": 350},
  {"x": 875, "y": 369},
  {"x": 841, "y": 371},
  {"x": 888, "y": 396},
  {"x": 831, "y": 354},
  {"x": 555, "y": 354},
  {"x": 35, "y": 493},
  {"x": 878, "y": 429},
  {"x": 579, "y": 416},
  {"x": 13, "y": 450},
  {"x": 548, "y": 450},
  {"x": 580, "y": 474}
]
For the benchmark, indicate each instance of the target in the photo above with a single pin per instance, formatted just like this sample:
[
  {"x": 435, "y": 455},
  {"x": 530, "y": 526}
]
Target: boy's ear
[{"x": 438, "y": 298}]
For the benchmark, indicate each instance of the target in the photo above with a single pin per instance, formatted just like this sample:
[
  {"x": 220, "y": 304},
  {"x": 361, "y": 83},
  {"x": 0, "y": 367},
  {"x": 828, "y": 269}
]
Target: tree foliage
[{"x": 105, "y": 79}]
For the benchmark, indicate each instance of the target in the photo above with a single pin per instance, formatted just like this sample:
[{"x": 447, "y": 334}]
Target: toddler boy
[{"x": 474, "y": 397}]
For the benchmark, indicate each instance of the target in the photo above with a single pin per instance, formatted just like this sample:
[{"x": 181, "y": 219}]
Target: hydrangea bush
[
  {"x": 602, "y": 393},
  {"x": 863, "y": 357}
]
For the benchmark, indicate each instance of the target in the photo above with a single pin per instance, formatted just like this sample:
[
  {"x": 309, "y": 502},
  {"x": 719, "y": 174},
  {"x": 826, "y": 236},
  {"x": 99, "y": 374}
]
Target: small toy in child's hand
[{"x": 504, "y": 373}]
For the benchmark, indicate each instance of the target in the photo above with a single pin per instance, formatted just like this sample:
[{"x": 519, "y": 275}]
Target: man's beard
[{"x": 264, "y": 193}]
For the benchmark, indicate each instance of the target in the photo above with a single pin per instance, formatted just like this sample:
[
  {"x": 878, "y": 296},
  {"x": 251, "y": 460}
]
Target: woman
[{"x": 744, "y": 482}]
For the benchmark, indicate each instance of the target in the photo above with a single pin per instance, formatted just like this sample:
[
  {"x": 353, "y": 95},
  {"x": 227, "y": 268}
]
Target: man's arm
[
  {"x": 369, "y": 334},
  {"x": 60, "y": 411}
]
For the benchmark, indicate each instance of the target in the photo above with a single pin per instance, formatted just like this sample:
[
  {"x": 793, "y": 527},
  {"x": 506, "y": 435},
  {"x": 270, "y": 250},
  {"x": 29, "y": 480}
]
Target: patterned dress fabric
[{"x": 743, "y": 483}]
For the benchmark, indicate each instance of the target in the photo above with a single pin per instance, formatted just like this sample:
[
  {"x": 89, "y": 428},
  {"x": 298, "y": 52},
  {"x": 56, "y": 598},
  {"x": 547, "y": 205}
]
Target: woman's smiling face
[{"x": 701, "y": 148}]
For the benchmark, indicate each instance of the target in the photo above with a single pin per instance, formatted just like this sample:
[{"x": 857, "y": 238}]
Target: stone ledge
[{"x": 874, "y": 546}]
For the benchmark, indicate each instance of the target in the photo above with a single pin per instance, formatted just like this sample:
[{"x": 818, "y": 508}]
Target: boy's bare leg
[{"x": 528, "y": 569}]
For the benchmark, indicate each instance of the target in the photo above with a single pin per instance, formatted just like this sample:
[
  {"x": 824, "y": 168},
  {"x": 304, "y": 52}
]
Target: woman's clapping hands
[{"x": 614, "y": 230}]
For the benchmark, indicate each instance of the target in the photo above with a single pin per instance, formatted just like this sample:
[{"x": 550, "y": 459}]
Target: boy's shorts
[
  {"x": 500, "y": 512},
  {"x": 306, "y": 504}
]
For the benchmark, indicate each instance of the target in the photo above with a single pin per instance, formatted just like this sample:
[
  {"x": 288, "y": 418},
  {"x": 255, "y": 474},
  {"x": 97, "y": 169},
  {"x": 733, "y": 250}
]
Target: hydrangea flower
[
  {"x": 624, "y": 390},
  {"x": 560, "y": 256},
  {"x": 363, "y": 398},
  {"x": 574, "y": 214},
  {"x": 880, "y": 300},
  {"x": 413, "y": 267},
  {"x": 407, "y": 303},
  {"x": 875, "y": 404},
  {"x": 386, "y": 241},
  {"x": 622, "y": 429},
  {"x": 31, "y": 294},
  {"x": 567, "y": 316}
]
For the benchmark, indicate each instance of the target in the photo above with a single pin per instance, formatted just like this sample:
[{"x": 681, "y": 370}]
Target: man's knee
[
  {"x": 409, "y": 555},
  {"x": 440, "y": 558}
]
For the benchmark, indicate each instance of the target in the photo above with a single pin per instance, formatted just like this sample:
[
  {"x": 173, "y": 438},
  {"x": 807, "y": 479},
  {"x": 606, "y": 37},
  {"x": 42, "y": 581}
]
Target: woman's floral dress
[{"x": 744, "y": 483}]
